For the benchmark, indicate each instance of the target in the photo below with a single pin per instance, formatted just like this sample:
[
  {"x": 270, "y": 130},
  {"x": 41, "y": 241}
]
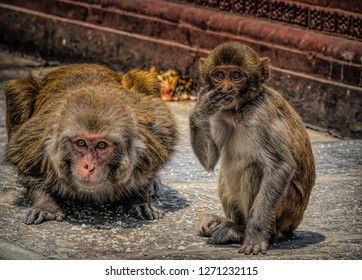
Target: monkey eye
[
  {"x": 102, "y": 145},
  {"x": 236, "y": 75},
  {"x": 81, "y": 143},
  {"x": 219, "y": 75}
]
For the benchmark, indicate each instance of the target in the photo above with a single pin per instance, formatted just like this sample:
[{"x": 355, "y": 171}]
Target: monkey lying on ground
[
  {"x": 267, "y": 166},
  {"x": 79, "y": 134}
]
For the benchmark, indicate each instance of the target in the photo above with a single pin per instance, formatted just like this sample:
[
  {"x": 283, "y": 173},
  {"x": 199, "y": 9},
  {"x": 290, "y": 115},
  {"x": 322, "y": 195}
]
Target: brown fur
[
  {"x": 267, "y": 166},
  {"x": 142, "y": 82},
  {"x": 42, "y": 115}
]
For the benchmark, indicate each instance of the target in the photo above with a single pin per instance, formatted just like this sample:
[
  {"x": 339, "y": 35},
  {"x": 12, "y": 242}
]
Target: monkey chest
[{"x": 238, "y": 141}]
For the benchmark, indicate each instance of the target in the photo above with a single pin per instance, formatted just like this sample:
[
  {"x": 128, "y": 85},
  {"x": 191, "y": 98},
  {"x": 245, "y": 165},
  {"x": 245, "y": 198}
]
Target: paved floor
[{"x": 331, "y": 229}]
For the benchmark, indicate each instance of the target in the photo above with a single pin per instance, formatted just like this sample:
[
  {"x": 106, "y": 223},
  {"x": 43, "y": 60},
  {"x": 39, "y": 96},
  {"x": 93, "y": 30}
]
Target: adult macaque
[
  {"x": 79, "y": 134},
  {"x": 267, "y": 166}
]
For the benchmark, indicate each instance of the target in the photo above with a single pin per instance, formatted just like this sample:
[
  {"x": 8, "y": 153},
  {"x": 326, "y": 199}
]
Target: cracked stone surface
[{"x": 331, "y": 228}]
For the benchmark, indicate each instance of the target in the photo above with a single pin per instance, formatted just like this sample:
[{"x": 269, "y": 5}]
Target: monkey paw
[
  {"x": 254, "y": 248},
  {"x": 208, "y": 224},
  {"x": 227, "y": 232},
  {"x": 148, "y": 211},
  {"x": 214, "y": 101},
  {"x": 37, "y": 216}
]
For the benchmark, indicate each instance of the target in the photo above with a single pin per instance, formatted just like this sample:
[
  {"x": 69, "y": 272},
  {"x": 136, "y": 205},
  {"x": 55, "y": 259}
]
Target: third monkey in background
[{"x": 267, "y": 165}]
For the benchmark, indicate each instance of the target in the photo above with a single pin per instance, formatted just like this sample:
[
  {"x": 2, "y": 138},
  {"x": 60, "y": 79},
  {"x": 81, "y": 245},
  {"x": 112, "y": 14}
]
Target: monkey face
[
  {"x": 228, "y": 78},
  {"x": 91, "y": 155}
]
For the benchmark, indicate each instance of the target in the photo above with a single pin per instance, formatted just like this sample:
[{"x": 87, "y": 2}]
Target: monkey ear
[{"x": 264, "y": 67}]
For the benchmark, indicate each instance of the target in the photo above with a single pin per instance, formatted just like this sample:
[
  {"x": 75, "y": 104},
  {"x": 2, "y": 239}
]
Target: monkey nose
[
  {"x": 229, "y": 87},
  {"x": 89, "y": 167}
]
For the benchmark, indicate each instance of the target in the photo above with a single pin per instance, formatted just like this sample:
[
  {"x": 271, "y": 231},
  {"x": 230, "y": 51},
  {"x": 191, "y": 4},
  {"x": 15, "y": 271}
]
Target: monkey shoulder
[
  {"x": 154, "y": 112},
  {"x": 157, "y": 131},
  {"x": 277, "y": 105}
]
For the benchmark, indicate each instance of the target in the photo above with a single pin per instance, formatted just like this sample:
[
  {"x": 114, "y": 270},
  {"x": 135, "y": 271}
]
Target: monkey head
[
  {"x": 94, "y": 152},
  {"x": 235, "y": 68}
]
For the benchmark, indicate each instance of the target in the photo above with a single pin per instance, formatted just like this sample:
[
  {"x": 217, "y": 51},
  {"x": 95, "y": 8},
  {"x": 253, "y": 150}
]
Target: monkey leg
[
  {"x": 43, "y": 209},
  {"x": 291, "y": 210},
  {"x": 227, "y": 229}
]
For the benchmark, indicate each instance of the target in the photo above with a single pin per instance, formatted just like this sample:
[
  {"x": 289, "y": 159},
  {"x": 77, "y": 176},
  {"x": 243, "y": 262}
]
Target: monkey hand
[
  {"x": 37, "y": 216},
  {"x": 147, "y": 210},
  {"x": 214, "y": 101},
  {"x": 251, "y": 246}
]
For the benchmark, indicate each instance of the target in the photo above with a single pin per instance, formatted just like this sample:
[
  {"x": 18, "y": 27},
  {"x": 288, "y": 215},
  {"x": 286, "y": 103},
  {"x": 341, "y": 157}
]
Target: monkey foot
[
  {"x": 148, "y": 211},
  {"x": 37, "y": 216},
  {"x": 208, "y": 224},
  {"x": 255, "y": 249},
  {"x": 228, "y": 232}
]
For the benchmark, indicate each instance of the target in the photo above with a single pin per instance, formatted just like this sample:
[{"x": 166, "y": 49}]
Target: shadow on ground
[
  {"x": 105, "y": 216},
  {"x": 299, "y": 239}
]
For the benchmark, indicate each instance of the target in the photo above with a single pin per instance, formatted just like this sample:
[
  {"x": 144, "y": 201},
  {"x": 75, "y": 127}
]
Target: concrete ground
[{"x": 331, "y": 229}]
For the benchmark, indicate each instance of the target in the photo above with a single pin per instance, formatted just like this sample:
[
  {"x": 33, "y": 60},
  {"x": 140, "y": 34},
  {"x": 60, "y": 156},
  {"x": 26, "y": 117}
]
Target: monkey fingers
[
  {"x": 215, "y": 101},
  {"x": 157, "y": 212},
  {"x": 146, "y": 211},
  {"x": 37, "y": 216},
  {"x": 260, "y": 247}
]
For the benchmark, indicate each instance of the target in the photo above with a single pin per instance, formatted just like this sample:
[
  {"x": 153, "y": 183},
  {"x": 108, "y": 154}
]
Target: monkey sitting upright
[
  {"x": 79, "y": 134},
  {"x": 267, "y": 165}
]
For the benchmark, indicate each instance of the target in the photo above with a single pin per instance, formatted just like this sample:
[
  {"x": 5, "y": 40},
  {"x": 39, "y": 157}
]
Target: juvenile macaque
[
  {"x": 267, "y": 167},
  {"x": 79, "y": 134}
]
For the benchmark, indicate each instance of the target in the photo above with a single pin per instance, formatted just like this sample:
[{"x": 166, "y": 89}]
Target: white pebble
[
  {"x": 182, "y": 248},
  {"x": 75, "y": 228}
]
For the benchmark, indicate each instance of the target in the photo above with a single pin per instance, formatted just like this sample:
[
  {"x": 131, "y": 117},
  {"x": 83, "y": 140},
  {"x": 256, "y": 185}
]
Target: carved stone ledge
[{"x": 314, "y": 17}]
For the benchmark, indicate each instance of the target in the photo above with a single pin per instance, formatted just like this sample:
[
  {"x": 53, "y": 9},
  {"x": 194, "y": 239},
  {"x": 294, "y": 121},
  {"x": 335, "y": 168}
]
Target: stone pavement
[{"x": 331, "y": 229}]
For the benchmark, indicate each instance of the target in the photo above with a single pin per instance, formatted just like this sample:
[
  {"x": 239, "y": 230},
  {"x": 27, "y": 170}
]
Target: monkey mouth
[
  {"x": 234, "y": 103},
  {"x": 87, "y": 184}
]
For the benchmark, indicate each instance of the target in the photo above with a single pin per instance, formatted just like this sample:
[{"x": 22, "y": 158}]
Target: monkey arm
[
  {"x": 208, "y": 104},
  {"x": 263, "y": 211},
  {"x": 202, "y": 142}
]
